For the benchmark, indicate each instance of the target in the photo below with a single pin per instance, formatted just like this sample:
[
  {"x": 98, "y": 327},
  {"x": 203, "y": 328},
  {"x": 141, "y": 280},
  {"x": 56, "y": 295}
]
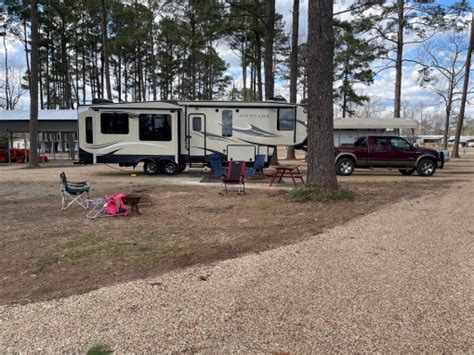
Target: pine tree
[{"x": 321, "y": 172}]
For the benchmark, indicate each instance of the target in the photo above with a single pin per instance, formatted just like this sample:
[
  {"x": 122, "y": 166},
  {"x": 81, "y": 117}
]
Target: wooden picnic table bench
[{"x": 289, "y": 171}]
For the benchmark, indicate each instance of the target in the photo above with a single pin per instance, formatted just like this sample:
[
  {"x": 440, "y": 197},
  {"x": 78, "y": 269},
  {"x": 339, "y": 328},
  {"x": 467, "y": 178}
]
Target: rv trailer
[{"x": 168, "y": 136}]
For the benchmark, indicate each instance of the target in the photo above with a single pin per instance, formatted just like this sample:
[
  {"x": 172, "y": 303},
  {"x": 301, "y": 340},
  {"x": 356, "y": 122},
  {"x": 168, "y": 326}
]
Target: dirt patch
[{"x": 46, "y": 253}]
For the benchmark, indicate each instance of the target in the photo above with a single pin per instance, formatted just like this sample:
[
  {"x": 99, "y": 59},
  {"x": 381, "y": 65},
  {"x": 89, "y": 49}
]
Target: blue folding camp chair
[
  {"x": 216, "y": 166},
  {"x": 257, "y": 166}
]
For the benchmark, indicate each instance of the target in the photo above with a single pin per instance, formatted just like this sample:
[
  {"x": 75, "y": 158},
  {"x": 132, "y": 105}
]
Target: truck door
[
  {"x": 196, "y": 137},
  {"x": 379, "y": 151},
  {"x": 403, "y": 154}
]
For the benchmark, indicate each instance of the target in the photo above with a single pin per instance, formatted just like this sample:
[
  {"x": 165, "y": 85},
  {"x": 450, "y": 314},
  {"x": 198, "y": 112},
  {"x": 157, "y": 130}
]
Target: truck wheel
[
  {"x": 345, "y": 167},
  {"x": 407, "y": 171},
  {"x": 169, "y": 168},
  {"x": 426, "y": 167},
  {"x": 151, "y": 168}
]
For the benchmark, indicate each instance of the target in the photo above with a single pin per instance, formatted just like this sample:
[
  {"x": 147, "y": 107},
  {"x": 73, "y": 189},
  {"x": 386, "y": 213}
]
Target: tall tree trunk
[
  {"x": 67, "y": 102},
  {"x": 7, "y": 75},
  {"x": 244, "y": 69},
  {"x": 321, "y": 171},
  {"x": 105, "y": 52},
  {"x": 25, "y": 37},
  {"x": 259, "y": 68},
  {"x": 399, "y": 59},
  {"x": 99, "y": 85},
  {"x": 344, "y": 95},
  {"x": 47, "y": 83},
  {"x": 34, "y": 85},
  {"x": 193, "y": 55},
  {"x": 76, "y": 63},
  {"x": 446, "y": 124},
  {"x": 290, "y": 154},
  {"x": 119, "y": 78},
  {"x": 465, "y": 87},
  {"x": 125, "y": 81},
  {"x": 252, "y": 81},
  {"x": 40, "y": 82},
  {"x": 83, "y": 58},
  {"x": 268, "y": 58}
]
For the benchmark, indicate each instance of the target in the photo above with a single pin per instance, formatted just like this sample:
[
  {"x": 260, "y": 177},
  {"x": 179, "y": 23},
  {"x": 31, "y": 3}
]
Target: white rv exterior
[{"x": 166, "y": 136}]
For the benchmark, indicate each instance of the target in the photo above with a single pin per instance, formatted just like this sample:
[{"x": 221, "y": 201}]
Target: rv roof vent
[{"x": 97, "y": 101}]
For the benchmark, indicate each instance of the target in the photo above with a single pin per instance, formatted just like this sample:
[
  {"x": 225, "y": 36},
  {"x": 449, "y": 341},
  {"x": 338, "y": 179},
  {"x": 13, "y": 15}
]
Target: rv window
[
  {"x": 155, "y": 127},
  {"x": 286, "y": 119},
  {"x": 197, "y": 125},
  {"x": 89, "y": 136},
  {"x": 114, "y": 123},
  {"x": 227, "y": 123}
]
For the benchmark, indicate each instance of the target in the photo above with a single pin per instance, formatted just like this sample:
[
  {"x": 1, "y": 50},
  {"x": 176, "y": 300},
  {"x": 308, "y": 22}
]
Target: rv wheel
[
  {"x": 169, "y": 168},
  {"x": 182, "y": 167},
  {"x": 151, "y": 168}
]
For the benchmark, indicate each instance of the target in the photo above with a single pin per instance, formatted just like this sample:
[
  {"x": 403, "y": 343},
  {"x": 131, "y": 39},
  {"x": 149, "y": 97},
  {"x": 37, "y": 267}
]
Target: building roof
[
  {"x": 371, "y": 123},
  {"x": 441, "y": 137},
  {"x": 46, "y": 115}
]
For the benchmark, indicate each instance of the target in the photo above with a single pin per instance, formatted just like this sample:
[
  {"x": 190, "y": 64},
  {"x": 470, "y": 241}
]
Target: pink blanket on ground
[{"x": 115, "y": 205}]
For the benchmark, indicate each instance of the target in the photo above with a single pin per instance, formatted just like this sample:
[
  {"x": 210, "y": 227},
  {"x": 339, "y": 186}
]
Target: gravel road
[{"x": 397, "y": 280}]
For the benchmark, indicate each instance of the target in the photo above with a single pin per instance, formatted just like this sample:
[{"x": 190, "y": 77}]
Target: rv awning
[{"x": 366, "y": 123}]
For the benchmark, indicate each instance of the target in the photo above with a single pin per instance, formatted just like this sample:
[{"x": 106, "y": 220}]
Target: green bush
[
  {"x": 99, "y": 350},
  {"x": 310, "y": 194}
]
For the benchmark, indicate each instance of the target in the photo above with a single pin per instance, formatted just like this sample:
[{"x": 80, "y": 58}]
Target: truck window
[
  {"x": 400, "y": 143},
  {"x": 380, "y": 143},
  {"x": 114, "y": 123},
  {"x": 286, "y": 119},
  {"x": 361, "y": 142},
  {"x": 89, "y": 135},
  {"x": 154, "y": 127},
  {"x": 227, "y": 123}
]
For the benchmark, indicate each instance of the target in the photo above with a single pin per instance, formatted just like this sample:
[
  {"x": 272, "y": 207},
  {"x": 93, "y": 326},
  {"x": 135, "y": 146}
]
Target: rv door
[{"x": 196, "y": 137}]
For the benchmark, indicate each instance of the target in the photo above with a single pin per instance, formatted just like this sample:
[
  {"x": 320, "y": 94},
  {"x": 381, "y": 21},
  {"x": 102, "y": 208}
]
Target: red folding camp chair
[{"x": 235, "y": 176}]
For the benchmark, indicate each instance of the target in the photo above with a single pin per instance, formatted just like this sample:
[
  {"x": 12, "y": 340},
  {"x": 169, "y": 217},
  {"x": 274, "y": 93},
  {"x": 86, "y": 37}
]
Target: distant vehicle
[
  {"x": 167, "y": 136},
  {"x": 388, "y": 152},
  {"x": 19, "y": 156}
]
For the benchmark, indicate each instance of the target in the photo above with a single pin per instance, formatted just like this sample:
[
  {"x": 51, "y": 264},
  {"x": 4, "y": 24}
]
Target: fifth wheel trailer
[{"x": 167, "y": 136}]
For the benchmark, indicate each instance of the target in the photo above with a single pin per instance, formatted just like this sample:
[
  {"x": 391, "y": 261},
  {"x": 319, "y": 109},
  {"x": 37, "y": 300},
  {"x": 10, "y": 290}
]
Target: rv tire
[
  {"x": 151, "y": 167},
  {"x": 169, "y": 168},
  {"x": 182, "y": 167}
]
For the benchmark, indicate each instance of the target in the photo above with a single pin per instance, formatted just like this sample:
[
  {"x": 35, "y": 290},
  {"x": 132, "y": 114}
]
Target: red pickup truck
[{"x": 387, "y": 152}]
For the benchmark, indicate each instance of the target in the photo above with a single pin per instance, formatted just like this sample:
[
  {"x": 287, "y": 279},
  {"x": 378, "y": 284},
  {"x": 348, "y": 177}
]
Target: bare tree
[
  {"x": 294, "y": 65},
  {"x": 464, "y": 91},
  {"x": 442, "y": 72},
  {"x": 6, "y": 84},
  {"x": 12, "y": 85},
  {"x": 321, "y": 171},
  {"x": 34, "y": 85},
  {"x": 372, "y": 108}
]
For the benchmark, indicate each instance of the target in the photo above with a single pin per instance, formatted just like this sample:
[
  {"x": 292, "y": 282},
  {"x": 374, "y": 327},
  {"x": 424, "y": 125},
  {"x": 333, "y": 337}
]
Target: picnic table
[{"x": 289, "y": 171}]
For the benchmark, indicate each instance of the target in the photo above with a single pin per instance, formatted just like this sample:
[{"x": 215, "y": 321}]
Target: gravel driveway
[{"x": 397, "y": 280}]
